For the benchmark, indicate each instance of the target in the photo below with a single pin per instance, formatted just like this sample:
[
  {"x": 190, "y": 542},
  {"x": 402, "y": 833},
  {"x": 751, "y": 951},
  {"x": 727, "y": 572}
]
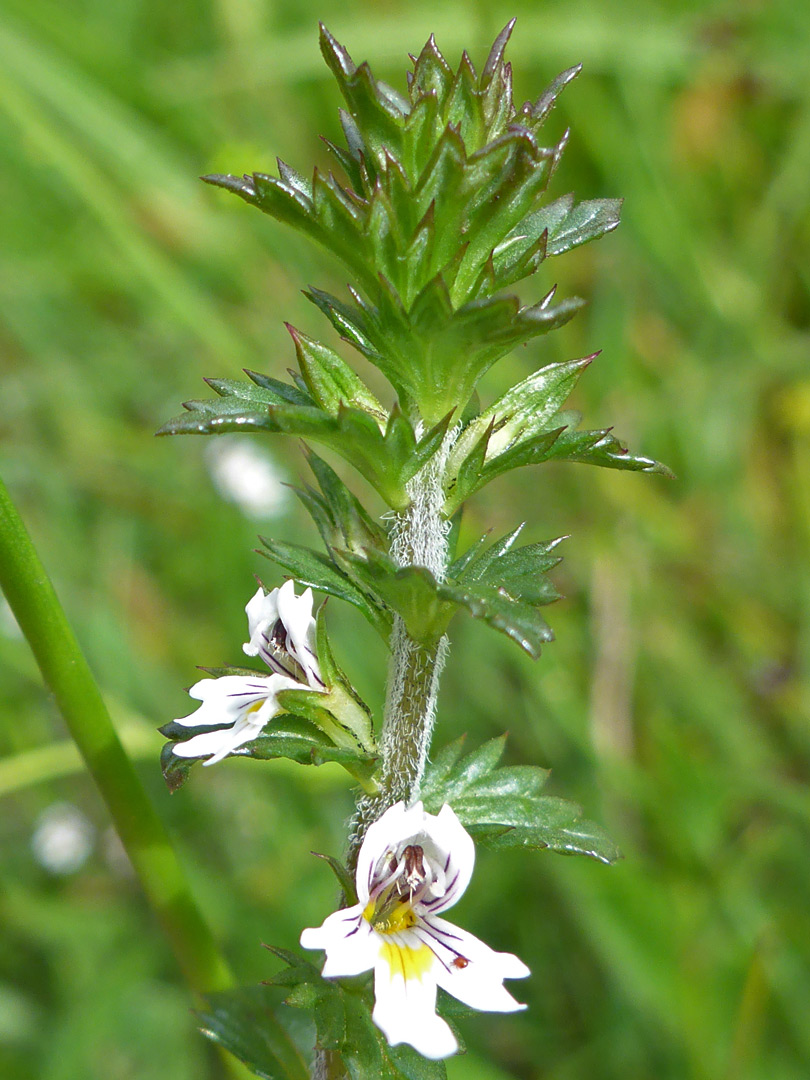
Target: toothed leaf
[{"x": 502, "y": 806}]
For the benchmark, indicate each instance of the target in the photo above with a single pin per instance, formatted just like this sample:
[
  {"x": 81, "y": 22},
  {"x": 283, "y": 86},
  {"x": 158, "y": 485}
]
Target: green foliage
[
  {"x": 345, "y": 879},
  {"x": 338, "y": 514},
  {"x": 383, "y": 448},
  {"x": 238, "y": 1021},
  {"x": 527, "y": 426},
  {"x": 519, "y": 571},
  {"x": 287, "y": 736},
  {"x": 322, "y": 572},
  {"x": 438, "y": 210},
  {"x": 502, "y": 806},
  {"x": 342, "y": 1012},
  {"x": 427, "y": 605},
  {"x": 691, "y": 957}
]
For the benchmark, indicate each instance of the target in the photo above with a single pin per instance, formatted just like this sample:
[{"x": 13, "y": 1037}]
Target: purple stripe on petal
[{"x": 437, "y": 930}]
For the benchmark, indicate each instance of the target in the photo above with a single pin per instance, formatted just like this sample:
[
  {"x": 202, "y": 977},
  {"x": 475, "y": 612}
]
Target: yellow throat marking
[
  {"x": 410, "y": 963},
  {"x": 405, "y": 961},
  {"x": 389, "y": 921}
]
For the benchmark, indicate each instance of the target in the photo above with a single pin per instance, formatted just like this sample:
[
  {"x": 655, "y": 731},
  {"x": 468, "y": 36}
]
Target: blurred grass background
[{"x": 673, "y": 705}]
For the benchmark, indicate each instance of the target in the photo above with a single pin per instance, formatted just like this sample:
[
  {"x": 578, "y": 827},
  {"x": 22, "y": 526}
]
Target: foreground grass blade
[{"x": 35, "y": 605}]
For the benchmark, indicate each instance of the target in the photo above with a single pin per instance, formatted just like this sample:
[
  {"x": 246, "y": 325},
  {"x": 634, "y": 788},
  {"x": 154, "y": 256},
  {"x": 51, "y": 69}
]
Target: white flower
[
  {"x": 244, "y": 702},
  {"x": 412, "y": 866},
  {"x": 281, "y": 629},
  {"x": 282, "y": 632}
]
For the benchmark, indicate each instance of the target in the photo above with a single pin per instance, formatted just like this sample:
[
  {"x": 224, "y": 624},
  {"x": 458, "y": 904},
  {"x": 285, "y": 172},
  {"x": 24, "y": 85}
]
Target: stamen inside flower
[
  {"x": 275, "y": 653},
  {"x": 409, "y": 878},
  {"x": 415, "y": 873}
]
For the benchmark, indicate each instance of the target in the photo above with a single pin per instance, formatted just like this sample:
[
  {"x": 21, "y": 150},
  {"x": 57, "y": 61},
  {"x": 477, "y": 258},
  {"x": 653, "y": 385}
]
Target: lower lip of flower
[{"x": 406, "y": 961}]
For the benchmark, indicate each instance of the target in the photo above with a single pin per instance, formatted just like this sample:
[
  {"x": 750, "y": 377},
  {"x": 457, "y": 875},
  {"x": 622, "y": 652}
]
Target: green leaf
[
  {"x": 299, "y": 969},
  {"x": 376, "y": 108},
  {"x": 342, "y": 1011},
  {"x": 351, "y": 526},
  {"x": 526, "y": 427},
  {"x": 295, "y": 738},
  {"x": 243, "y": 1021},
  {"x": 527, "y": 409},
  {"x": 345, "y": 879},
  {"x": 522, "y": 177},
  {"x": 330, "y": 380},
  {"x": 293, "y": 395},
  {"x": 261, "y": 390},
  {"x": 519, "y": 621},
  {"x": 438, "y": 770},
  {"x": 411, "y": 591},
  {"x": 344, "y": 704},
  {"x": 431, "y": 73},
  {"x": 331, "y": 1021},
  {"x": 387, "y": 456},
  {"x": 547, "y": 100},
  {"x": 559, "y": 826},
  {"x": 463, "y": 773},
  {"x": 290, "y": 736},
  {"x": 502, "y": 806},
  {"x": 238, "y": 406},
  {"x": 427, "y": 605},
  {"x": 587, "y": 220},
  {"x": 320, "y": 572},
  {"x": 602, "y": 448},
  {"x": 519, "y": 571}
]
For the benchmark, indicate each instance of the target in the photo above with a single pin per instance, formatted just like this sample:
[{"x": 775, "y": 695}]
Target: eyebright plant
[{"x": 437, "y": 208}]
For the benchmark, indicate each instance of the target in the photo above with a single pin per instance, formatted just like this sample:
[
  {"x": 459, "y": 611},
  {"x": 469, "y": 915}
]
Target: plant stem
[
  {"x": 36, "y": 607},
  {"x": 419, "y": 538}
]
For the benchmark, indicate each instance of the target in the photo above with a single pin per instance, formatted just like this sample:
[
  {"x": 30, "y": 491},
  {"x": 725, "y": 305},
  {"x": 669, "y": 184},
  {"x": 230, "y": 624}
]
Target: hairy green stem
[
  {"x": 410, "y": 713},
  {"x": 35, "y": 605},
  {"x": 419, "y": 538}
]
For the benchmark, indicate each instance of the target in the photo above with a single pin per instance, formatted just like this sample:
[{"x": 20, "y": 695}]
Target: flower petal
[
  {"x": 351, "y": 946},
  {"x": 225, "y": 699},
  {"x": 385, "y": 835},
  {"x": 454, "y": 850},
  {"x": 264, "y": 611},
  {"x": 296, "y": 614},
  {"x": 468, "y": 969},
  {"x": 220, "y": 743},
  {"x": 261, "y": 611},
  {"x": 405, "y": 1001}
]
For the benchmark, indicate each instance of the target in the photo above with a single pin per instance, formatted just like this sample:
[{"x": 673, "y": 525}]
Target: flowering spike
[{"x": 436, "y": 206}]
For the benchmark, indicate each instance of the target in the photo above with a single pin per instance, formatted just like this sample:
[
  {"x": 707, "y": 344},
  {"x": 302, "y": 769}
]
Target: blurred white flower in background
[
  {"x": 63, "y": 838},
  {"x": 246, "y": 475}
]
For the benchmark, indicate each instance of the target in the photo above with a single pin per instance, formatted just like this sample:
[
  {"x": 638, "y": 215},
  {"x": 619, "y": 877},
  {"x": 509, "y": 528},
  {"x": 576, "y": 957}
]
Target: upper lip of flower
[
  {"x": 411, "y": 866},
  {"x": 446, "y": 847},
  {"x": 282, "y": 632}
]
